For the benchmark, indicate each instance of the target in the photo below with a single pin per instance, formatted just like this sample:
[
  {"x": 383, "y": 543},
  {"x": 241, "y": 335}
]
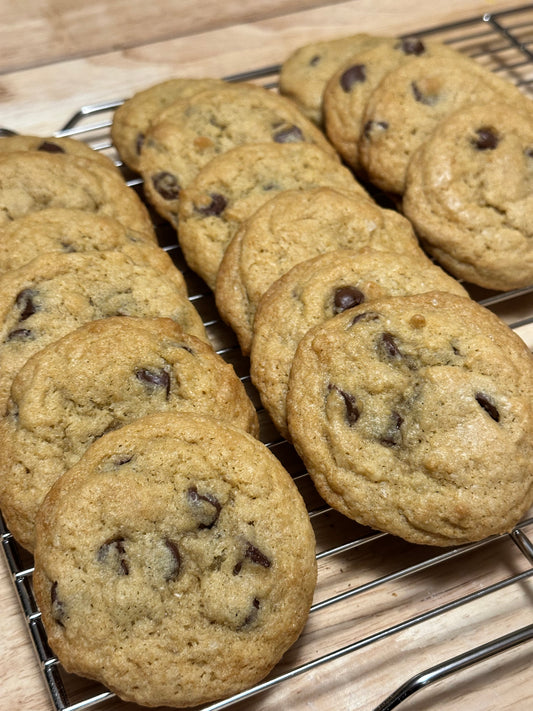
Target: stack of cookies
[{"x": 130, "y": 462}]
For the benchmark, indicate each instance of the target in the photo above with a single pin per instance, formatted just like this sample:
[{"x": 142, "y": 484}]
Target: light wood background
[{"x": 59, "y": 55}]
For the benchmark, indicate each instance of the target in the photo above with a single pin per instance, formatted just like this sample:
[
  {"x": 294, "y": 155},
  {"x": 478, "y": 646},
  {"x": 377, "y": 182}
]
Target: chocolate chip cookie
[
  {"x": 418, "y": 417},
  {"x": 232, "y": 186},
  {"x": 191, "y": 132},
  {"x": 191, "y": 555},
  {"x": 56, "y": 293},
  {"x": 97, "y": 378},
  {"x": 292, "y": 227},
  {"x": 470, "y": 195},
  {"x": 31, "y": 181},
  {"x": 63, "y": 230},
  {"x": 410, "y": 101},
  {"x": 132, "y": 119},
  {"x": 349, "y": 89},
  {"x": 307, "y": 70},
  {"x": 318, "y": 289}
]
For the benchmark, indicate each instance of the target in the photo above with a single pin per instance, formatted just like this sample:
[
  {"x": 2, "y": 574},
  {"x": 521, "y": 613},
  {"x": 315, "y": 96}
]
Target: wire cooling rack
[{"x": 380, "y": 602}]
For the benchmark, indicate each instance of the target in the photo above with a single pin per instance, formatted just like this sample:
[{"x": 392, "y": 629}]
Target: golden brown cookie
[
  {"x": 414, "y": 415},
  {"x": 191, "y": 547}
]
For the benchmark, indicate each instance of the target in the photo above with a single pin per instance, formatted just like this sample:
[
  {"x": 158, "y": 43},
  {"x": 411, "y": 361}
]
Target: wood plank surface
[{"x": 59, "y": 55}]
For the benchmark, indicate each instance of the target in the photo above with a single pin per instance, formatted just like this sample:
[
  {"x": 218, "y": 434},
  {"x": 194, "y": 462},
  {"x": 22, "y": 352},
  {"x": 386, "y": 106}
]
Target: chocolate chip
[
  {"x": 209, "y": 513},
  {"x": 314, "y": 60},
  {"x": 388, "y": 346},
  {"x": 166, "y": 185},
  {"x": 488, "y": 406},
  {"x": 20, "y": 334},
  {"x": 291, "y": 134},
  {"x": 350, "y": 404},
  {"x": 58, "y": 607},
  {"x": 371, "y": 127},
  {"x": 412, "y": 45},
  {"x": 346, "y": 297},
  {"x": 114, "y": 550},
  {"x": 154, "y": 379},
  {"x": 49, "y": 147},
  {"x": 24, "y": 301},
  {"x": 427, "y": 99},
  {"x": 4, "y": 132},
  {"x": 254, "y": 555},
  {"x": 139, "y": 142},
  {"x": 392, "y": 436},
  {"x": 355, "y": 74},
  {"x": 252, "y": 615},
  {"x": 176, "y": 559},
  {"x": 365, "y": 316},
  {"x": 215, "y": 208},
  {"x": 529, "y": 152},
  {"x": 486, "y": 139}
]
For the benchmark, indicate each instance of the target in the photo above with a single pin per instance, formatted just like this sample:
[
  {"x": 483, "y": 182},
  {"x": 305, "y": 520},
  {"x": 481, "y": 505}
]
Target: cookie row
[
  {"x": 121, "y": 425},
  {"x": 409, "y": 112}
]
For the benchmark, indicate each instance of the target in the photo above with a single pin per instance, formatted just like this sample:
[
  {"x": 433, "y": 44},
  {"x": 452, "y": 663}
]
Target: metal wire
[{"x": 494, "y": 32}]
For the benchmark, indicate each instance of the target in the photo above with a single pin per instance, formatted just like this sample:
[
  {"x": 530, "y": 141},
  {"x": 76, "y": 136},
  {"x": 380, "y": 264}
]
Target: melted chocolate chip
[
  {"x": 489, "y": 407},
  {"x": 413, "y": 45},
  {"x": 346, "y": 297},
  {"x": 154, "y": 379},
  {"x": 365, "y": 316},
  {"x": 210, "y": 512},
  {"x": 486, "y": 139},
  {"x": 115, "y": 550},
  {"x": 58, "y": 607},
  {"x": 254, "y": 555},
  {"x": 139, "y": 142},
  {"x": 176, "y": 559},
  {"x": 388, "y": 346},
  {"x": 355, "y": 74},
  {"x": 291, "y": 134},
  {"x": 49, "y": 147},
  {"x": 392, "y": 436},
  {"x": 252, "y": 615},
  {"x": 24, "y": 301},
  {"x": 20, "y": 334},
  {"x": 215, "y": 208},
  {"x": 166, "y": 185},
  {"x": 350, "y": 404},
  {"x": 371, "y": 127},
  {"x": 427, "y": 99}
]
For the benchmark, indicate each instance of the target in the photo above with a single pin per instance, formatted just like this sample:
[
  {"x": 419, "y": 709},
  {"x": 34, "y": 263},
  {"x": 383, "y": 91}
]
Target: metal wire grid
[{"x": 504, "y": 42}]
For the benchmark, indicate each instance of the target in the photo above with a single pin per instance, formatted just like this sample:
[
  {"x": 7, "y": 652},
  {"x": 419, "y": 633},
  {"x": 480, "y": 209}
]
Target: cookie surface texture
[
  {"x": 305, "y": 73},
  {"x": 65, "y": 231},
  {"x": 54, "y": 144},
  {"x": 31, "y": 181},
  {"x": 232, "y": 186},
  {"x": 411, "y": 101},
  {"x": 418, "y": 417},
  {"x": 132, "y": 119},
  {"x": 96, "y": 379},
  {"x": 56, "y": 293},
  {"x": 470, "y": 196},
  {"x": 192, "y": 555},
  {"x": 292, "y": 227},
  {"x": 191, "y": 132},
  {"x": 315, "y": 291}
]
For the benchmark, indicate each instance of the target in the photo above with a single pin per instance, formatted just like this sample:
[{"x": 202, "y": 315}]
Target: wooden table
[{"x": 60, "y": 55}]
